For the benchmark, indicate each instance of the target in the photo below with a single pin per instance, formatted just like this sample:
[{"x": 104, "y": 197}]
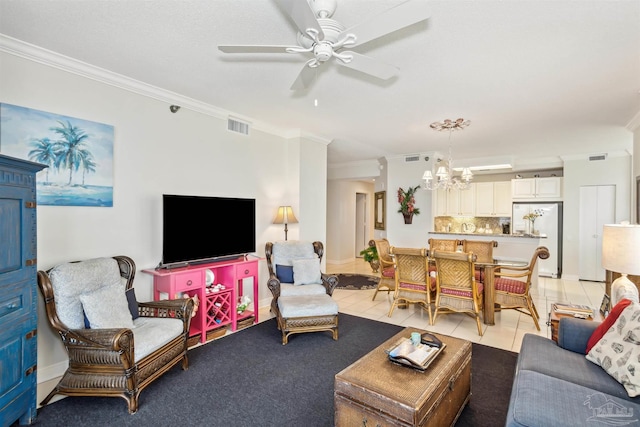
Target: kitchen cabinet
[
  {"x": 547, "y": 189},
  {"x": 460, "y": 202},
  {"x": 493, "y": 199}
]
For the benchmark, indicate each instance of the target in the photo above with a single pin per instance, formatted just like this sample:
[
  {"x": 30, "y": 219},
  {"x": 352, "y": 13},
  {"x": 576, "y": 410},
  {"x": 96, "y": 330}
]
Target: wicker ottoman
[
  {"x": 373, "y": 391},
  {"x": 307, "y": 313}
]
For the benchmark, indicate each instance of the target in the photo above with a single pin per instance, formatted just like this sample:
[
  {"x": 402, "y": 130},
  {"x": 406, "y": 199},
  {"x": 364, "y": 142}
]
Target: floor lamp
[
  {"x": 285, "y": 216},
  {"x": 621, "y": 254}
]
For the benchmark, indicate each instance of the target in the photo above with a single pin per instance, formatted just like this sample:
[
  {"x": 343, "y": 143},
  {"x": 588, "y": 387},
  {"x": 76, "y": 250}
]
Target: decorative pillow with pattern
[
  {"x": 306, "y": 271},
  {"x": 618, "y": 351}
]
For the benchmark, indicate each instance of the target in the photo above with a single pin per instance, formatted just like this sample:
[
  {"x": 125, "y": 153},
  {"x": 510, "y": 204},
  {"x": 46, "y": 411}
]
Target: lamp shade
[
  {"x": 621, "y": 248},
  {"x": 285, "y": 216}
]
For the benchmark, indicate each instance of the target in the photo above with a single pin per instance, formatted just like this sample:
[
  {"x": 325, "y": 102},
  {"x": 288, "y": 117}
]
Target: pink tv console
[{"x": 217, "y": 307}]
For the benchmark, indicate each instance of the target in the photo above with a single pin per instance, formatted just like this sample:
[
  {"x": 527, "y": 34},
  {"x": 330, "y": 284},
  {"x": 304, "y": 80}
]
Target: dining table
[{"x": 489, "y": 289}]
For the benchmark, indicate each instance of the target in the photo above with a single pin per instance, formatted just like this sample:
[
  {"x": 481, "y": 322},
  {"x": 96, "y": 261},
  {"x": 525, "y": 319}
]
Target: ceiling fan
[{"x": 326, "y": 38}]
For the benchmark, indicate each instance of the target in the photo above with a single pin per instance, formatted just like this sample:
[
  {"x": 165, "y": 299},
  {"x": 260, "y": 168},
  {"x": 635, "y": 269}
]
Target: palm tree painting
[{"x": 78, "y": 154}]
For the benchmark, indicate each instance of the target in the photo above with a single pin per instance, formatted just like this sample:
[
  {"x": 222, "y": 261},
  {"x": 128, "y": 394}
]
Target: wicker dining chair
[
  {"x": 483, "y": 250},
  {"x": 387, "y": 270},
  {"x": 513, "y": 286},
  {"x": 413, "y": 283},
  {"x": 449, "y": 245},
  {"x": 457, "y": 290}
]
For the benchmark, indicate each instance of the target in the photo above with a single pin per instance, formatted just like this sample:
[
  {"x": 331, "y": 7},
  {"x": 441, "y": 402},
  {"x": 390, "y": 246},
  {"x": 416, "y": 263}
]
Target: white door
[
  {"x": 597, "y": 207},
  {"x": 362, "y": 240}
]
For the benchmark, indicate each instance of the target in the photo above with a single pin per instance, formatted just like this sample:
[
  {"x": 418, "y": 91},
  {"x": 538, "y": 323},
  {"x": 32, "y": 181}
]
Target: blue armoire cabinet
[{"x": 18, "y": 283}]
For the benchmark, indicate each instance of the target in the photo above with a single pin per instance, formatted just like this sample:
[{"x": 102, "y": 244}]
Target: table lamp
[
  {"x": 285, "y": 216},
  {"x": 621, "y": 254}
]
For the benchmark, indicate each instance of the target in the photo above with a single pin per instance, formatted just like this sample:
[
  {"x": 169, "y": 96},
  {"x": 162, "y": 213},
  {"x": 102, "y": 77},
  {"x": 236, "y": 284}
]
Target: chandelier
[{"x": 444, "y": 179}]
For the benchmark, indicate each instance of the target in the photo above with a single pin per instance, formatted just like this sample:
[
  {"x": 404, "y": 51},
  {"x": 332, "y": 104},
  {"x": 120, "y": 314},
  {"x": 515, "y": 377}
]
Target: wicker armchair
[
  {"x": 301, "y": 303},
  {"x": 483, "y": 250},
  {"x": 413, "y": 283},
  {"x": 103, "y": 360},
  {"x": 387, "y": 270},
  {"x": 457, "y": 289},
  {"x": 513, "y": 286}
]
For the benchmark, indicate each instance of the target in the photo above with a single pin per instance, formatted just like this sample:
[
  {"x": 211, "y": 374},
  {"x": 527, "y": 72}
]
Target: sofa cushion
[
  {"x": 618, "y": 351},
  {"x": 542, "y": 400},
  {"x": 306, "y": 271},
  {"x": 543, "y": 355},
  {"x": 607, "y": 323}
]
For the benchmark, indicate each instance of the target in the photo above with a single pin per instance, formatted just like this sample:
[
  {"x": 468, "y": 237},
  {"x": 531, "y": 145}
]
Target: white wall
[
  {"x": 341, "y": 209},
  {"x": 615, "y": 170},
  {"x": 408, "y": 174},
  {"x": 158, "y": 152}
]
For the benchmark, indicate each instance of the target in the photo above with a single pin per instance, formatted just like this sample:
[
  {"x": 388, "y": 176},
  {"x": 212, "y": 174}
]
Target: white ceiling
[{"x": 538, "y": 79}]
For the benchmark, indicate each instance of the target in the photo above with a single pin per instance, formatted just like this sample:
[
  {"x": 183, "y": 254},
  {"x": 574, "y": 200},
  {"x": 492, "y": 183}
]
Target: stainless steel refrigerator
[{"x": 549, "y": 225}]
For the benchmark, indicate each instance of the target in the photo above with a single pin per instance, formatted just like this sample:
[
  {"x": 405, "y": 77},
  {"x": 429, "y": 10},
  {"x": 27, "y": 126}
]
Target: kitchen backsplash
[{"x": 478, "y": 224}]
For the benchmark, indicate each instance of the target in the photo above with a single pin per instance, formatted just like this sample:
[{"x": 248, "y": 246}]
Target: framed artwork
[
  {"x": 78, "y": 154},
  {"x": 380, "y": 206}
]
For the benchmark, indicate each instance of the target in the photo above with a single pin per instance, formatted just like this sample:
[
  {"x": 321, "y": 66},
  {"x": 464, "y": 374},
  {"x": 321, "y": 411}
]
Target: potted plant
[{"x": 370, "y": 255}]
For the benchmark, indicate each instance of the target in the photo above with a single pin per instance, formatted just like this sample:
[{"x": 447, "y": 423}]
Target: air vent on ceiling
[
  {"x": 235, "y": 125},
  {"x": 597, "y": 157},
  {"x": 412, "y": 158}
]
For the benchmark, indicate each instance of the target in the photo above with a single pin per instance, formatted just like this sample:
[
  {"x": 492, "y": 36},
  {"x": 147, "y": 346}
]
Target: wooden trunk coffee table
[{"x": 374, "y": 391}]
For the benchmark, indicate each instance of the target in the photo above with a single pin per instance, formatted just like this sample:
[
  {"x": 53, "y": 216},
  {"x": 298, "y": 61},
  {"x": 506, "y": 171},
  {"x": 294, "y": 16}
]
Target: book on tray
[
  {"x": 574, "y": 309},
  {"x": 418, "y": 356}
]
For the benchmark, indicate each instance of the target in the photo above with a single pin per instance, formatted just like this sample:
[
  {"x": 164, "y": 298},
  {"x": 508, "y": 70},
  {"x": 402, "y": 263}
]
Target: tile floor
[{"x": 510, "y": 325}]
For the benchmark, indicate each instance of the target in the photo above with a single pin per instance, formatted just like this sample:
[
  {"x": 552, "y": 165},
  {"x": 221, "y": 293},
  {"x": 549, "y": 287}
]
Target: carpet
[
  {"x": 357, "y": 281},
  {"x": 250, "y": 379}
]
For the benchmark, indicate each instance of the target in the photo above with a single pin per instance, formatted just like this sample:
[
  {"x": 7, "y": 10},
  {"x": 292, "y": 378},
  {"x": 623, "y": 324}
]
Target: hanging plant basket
[{"x": 408, "y": 217}]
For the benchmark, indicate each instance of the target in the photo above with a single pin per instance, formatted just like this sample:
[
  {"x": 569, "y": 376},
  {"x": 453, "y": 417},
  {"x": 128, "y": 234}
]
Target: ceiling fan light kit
[{"x": 325, "y": 38}]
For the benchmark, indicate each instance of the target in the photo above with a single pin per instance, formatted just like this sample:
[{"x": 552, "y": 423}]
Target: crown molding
[
  {"x": 634, "y": 123},
  {"x": 52, "y": 59}
]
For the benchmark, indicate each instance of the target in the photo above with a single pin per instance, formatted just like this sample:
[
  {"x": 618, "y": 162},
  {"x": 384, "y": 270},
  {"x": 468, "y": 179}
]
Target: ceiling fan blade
[
  {"x": 302, "y": 15},
  {"x": 369, "y": 65},
  {"x": 305, "y": 78},
  {"x": 254, "y": 49},
  {"x": 394, "y": 19}
]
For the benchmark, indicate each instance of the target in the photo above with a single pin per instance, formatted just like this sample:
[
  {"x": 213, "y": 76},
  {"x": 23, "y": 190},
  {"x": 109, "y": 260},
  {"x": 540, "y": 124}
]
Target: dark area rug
[
  {"x": 250, "y": 379},
  {"x": 357, "y": 281}
]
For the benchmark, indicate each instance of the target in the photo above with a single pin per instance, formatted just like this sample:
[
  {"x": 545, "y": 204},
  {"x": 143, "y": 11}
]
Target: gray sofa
[{"x": 555, "y": 385}]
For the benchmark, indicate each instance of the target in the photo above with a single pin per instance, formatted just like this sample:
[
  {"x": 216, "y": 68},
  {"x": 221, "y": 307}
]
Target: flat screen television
[{"x": 198, "y": 229}]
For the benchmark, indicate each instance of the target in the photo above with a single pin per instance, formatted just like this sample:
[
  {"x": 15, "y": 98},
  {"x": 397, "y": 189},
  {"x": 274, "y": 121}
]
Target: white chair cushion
[
  {"x": 289, "y": 289},
  {"x": 315, "y": 305},
  {"x": 151, "y": 333},
  {"x": 107, "y": 308},
  {"x": 71, "y": 280},
  {"x": 284, "y": 252},
  {"x": 306, "y": 271}
]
